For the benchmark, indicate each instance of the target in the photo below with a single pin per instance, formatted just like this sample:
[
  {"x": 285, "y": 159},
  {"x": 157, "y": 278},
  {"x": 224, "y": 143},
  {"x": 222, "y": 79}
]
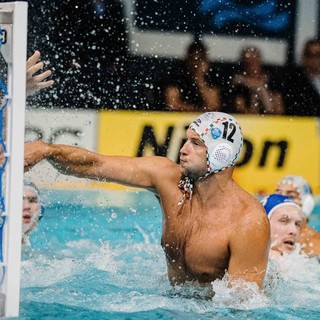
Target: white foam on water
[
  {"x": 79, "y": 248},
  {"x": 135, "y": 280},
  {"x": 145, "y": 235},
  {"x": 240, "y": 295},
  {"x": 78, "y": 256},
  {"x": 298, "y": 282},
  {"x": 104, "y": 259},
  {"x": 132, "y": 277},
  {"x": 42, "y": 271}
]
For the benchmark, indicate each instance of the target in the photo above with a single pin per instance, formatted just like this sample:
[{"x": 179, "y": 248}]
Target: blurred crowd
[
  {"x": 86, "y": 44},
  {"x": 250, "y": 88}
]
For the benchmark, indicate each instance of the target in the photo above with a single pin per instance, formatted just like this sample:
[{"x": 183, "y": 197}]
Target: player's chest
[{"x": 196, "y": 237}]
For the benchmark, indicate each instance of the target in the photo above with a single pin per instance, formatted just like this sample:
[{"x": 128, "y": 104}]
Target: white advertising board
[{"x": 73, "y": 127}]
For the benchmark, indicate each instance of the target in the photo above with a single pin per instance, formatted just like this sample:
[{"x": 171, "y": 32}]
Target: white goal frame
[{"x": 13, "y": 19}]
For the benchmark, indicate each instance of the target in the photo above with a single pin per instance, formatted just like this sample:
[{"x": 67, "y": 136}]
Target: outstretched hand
[
  {"x": 36, "y": 81},
  {"x": 34, "y": 152}
]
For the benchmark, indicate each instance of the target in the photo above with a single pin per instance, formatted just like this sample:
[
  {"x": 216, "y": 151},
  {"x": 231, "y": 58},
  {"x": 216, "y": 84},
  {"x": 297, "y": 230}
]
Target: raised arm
[
  {"x": 35, "y": 81},
  {"x": 174, "y": 101},
  {"x": 249, "y": 248},
  {"x": 144, "y": 172}
]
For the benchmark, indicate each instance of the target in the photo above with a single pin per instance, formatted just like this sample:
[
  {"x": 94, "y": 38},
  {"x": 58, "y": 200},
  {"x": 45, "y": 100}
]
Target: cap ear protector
[
  {"x": 221, "y": 155},
  {"x": 304, "y": 191},
  {"x": 221, "y": 134},
  {"x": 308, "y": 204}
]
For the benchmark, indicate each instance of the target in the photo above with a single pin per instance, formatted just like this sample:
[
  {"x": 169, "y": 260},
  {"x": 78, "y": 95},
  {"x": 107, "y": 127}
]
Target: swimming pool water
[{"x": 97, "y": 255}]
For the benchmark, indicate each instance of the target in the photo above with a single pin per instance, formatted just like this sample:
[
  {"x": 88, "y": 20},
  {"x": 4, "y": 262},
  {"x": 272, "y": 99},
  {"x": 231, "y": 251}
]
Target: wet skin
[{"x": 221, "y": 228}]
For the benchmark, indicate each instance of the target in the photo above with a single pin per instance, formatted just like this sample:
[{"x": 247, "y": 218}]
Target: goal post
[{"x": 13, "y": 48}]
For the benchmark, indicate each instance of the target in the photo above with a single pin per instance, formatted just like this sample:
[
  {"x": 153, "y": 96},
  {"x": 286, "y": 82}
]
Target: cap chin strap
[
  {"x": 186, "y": 185},
  {"x": 220, "y": 156},
  {"x": 26, "y": 227}
]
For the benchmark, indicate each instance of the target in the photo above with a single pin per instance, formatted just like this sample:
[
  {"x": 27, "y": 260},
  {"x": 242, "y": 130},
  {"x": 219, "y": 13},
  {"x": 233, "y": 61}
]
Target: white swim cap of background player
[
  {"x": 222, "y": 135},
  {"x": 304, "y": 190}
]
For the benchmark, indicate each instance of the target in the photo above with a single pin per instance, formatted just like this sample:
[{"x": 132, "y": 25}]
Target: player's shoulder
[
  {"x": 252, "y": 209},
  {"x": 165, "y": 168},
  {"x": 164, "y": 165}
]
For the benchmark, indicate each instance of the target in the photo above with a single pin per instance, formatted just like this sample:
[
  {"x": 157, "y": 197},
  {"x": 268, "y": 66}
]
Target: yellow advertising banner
[{"x": 274, "y": 146}]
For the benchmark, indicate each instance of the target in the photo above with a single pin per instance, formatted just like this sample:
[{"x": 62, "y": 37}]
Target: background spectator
[
  {"x": 253, "y": 90},
  {"x": 190, "y": 87},
  {"x": 301, "y": 86}
]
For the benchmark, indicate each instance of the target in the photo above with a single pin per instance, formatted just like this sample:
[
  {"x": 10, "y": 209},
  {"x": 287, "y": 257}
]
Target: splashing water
[{"x": 115, "y": 268}]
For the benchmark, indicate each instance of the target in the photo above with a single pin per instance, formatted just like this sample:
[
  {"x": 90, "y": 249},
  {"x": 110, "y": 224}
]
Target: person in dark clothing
[
  {"x": 190, "y": 87},
  {"x": 252, "y": 89},
  {"x": 301, "y": 86}
]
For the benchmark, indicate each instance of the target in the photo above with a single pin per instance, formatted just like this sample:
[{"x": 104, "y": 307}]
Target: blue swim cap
[{"x": 274, "y": 201}]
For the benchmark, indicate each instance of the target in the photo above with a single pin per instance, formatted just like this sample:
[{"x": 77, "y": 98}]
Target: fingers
[
  {"x": 42, "y": 85},
  {"x": 36, "y": 81},
  {"x": 33, "y": 59},
  {"x": 31, "y": 70},
  {"x": 40, "y": 77},
  {"x": 34, "y": 85}
]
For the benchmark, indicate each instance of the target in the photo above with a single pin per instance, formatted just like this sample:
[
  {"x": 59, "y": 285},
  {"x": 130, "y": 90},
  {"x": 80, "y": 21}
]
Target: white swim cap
[
  {"x": 30, "y": 185},
  {"x": 222, "y": 135},
  {"x": 304, "y": 191}
]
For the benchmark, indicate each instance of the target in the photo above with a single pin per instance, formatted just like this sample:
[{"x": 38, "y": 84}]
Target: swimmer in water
[
  {"x": 285, "y": 221},
  {"x": 32, "y": 210},
  {"x": 211, "y": 226},
  {"x": 299, "y": 190}
]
